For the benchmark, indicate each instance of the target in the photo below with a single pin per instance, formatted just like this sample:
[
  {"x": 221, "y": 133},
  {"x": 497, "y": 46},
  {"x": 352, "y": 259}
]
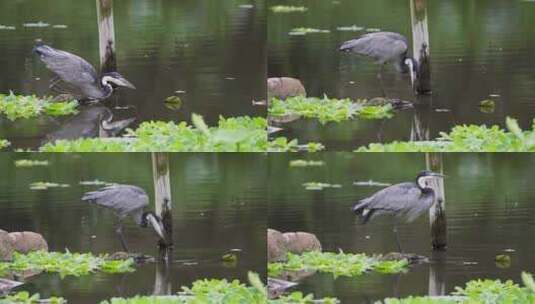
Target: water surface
[
  {"x": 212, "y": 50},
  {"x": 490, "y": 206},
  {"x": 219, "y": 203},
  {"x": 477, "y": 49}
]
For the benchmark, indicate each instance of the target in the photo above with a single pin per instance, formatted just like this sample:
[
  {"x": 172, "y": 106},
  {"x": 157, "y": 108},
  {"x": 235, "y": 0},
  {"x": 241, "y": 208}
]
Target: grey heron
[
  {"x": 126, "y": 200},
  {"x": 405, "y": 201},
  {"x": 384, "y": 47},
  {"x": 77, "y": 76}
]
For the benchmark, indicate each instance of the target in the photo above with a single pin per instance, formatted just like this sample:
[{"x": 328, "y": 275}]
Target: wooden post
[
  {"x": 106, "y": 33},
  {"x": 162, "y": 197},
  {"x": 437, "y": 214},
  {"x": 420, "y": 46}
]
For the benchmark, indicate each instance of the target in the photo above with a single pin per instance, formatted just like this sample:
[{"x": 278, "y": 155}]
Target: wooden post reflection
[
  {"x": 437, "y": 213},
  {"x": 420, "y": 45},
  {"x": 106, "y": 33},
  {"x": 437, "y": 275},
  {"x": 162, "y": 282}
]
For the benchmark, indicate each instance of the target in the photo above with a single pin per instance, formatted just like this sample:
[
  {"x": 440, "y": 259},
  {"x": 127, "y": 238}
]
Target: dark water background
[
  {"x": 478, "y": 48},
  {"x": 490, "y": 208},
  {"x": 219, "y": 203},
  {"x": 213, "y": 50}
]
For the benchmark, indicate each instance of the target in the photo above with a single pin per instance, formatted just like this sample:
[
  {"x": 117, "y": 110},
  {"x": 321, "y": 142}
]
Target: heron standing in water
[
  {"x": 127, "y": 200},
  {"x": 384, "y": 47},
  {"x": 77, "y": 77},
  {"x": 405, "y": 201}
]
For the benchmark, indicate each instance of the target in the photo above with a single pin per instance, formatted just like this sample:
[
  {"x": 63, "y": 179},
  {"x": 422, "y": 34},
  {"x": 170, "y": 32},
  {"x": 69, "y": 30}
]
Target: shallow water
[
  {"x": 477, "y": 49},
  {"x": 490, "y": 206},
  {"x": 213, "y": 50},
  {"x": 219, "y": 203}
]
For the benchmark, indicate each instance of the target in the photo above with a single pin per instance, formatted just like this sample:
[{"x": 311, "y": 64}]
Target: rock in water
[
  {"x": 6, "y": 248},
  {"x": 276, "y": 246},
  {"x": 300, "y": 242},
  {"x": 28, "y": 241},
  {"x": 284, "y": 87}
]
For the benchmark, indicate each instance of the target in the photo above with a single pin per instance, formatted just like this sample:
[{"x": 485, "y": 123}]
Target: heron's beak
[
  {"x": 157, "y": 225},
  {"x": 124, "y": 83}
]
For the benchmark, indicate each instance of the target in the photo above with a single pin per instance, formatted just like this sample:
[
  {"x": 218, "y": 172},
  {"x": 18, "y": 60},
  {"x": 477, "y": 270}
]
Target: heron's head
[
  {"x": 149, "y": 218},
  {"x": 412, "y": 69},
  {"x": 115, "y": 80},
  {"x": 423, "y": 178}
]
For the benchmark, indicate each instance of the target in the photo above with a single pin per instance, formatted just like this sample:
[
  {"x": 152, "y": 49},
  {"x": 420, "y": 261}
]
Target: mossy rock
[
  {"x": 6, "y": 248},
  {"x": 300, "y": 242}
]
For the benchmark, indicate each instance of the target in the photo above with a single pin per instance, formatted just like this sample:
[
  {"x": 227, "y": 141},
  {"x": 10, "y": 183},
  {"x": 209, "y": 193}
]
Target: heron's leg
[
  {"x": 397, "y": 239},
  {"x": 380, "y": 77},
  {"x": 119, "y": 232}
]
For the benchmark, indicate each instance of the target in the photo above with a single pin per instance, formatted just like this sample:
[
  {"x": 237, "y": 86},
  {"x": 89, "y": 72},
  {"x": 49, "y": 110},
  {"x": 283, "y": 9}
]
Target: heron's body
[
  {"x": 126, "y": 200},
  {"x": 384, "y": 47},
  {"x": 397, "y": 200},
  {"x": 405, "y": 201},
  {"x": 78, "y": 75}
]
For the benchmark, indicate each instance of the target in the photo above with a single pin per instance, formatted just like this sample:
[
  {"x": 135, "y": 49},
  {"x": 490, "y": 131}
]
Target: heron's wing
[
  {"x": 404, "y": 200},
  {"x": 124, "y": 199},
  {"x": 382, "y": 46},
  {"x": 69, "y": 67}
]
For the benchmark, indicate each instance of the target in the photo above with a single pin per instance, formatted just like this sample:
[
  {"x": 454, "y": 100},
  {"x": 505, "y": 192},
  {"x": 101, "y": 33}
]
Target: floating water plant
[
  {"x": 222, "y": 291},
  {"x": 317, "y": 186},
  {"x": 480, "y": 292},
  {"x": 288, "y": 9},
  {"x": 237, "y": 134},
  {"x": 47, "y": 185},
  {"x": 339, "y": 264},
  {"x": 95, "y": 182},
  {"x": 30, "y": 163},
  {"x": 468, "y": 138},
  {"x": 36, "y": 24},
  {"x": 20, "y": 106},
  {"x": 307, "y": 30},
  {"x": 4, "y": 143},
  {"x": 306, "y": 163},
  {"x": 328, "y": 109},
  {"x": 352, "y": 28},
  {"x": 24, "y": 297},
  {"x": 66, "y": 264}
]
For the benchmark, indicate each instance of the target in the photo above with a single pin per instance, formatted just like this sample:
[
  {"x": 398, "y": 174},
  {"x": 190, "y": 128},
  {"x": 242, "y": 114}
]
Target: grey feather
[
  {"x": 125, "y": 200},
  {"x": 382, "y": 46},
  {"x": 72, "y": 70},
  {"x": 405, "y": 201}
]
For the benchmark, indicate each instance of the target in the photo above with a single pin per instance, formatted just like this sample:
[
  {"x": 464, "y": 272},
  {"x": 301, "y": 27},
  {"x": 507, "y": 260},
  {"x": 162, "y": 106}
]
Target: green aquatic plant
[
  {"x": 338, "y": 264},
  {"x": 46, "y": 185},
  {"x": 4, "y": 144},
  {"x": 21, "y": 106},
  {"x": 307, "y": 30},
  {"x": 480, "y": 292},
  {"x": 468, "y": 138},
  {"x": 66, "y": 264},
  {"x": 288, "y": 9},
  {"x": 30, "y": 163},
  {"x": 237, "y": 134},
  {"x": 328, "y": 109},
  {"x": 306, "y": 163},
  {"x": 319, "y": 186},
  {"x": 222, "y": 291},
  {"x": 24, "y": 297}
]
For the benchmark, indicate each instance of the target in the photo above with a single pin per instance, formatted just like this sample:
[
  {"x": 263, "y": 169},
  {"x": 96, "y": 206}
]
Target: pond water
[
  {"x": 212, "y": 50},
  {"x": 219, "y": 203},
  {"x": 490, "y": 206},
  {"x": 477, "y": 48}
]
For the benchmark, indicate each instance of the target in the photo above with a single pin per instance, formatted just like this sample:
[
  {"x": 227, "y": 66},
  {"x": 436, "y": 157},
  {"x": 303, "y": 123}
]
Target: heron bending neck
[
  {"x": 155, "y": 221},
  {"x": 413, "y": 69}
]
